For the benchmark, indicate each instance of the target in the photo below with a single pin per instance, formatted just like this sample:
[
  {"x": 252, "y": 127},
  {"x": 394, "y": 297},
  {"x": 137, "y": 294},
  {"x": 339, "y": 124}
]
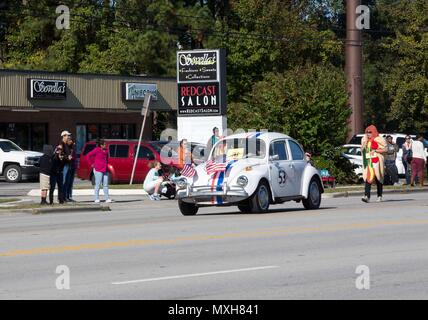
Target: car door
[
  {"x": 280, "y": 170},
  {"x": 119, "y": 160},
  {"x": 297, "y": 165}
]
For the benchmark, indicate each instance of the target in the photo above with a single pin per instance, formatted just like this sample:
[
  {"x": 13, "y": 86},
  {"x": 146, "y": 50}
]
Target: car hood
[
  {"x": 32, "y": 153},
  {"x": 233, "y": 170}
]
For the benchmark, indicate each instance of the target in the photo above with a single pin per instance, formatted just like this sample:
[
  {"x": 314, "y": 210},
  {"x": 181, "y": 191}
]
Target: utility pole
[{"x": 354, "y": 70}]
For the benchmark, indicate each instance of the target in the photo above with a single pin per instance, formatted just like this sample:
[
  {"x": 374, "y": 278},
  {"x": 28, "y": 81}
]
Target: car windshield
[
  {"x": 236, "y": 149},
  {"x": 7, "y": 146},
  {"x": 355, "y": 140},
  {"x": 158, "y": 145}
]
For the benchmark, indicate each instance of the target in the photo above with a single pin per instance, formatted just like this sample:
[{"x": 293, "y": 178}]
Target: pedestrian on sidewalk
[
  {"x": 213, "y": 140},
  {"x": 418, "y": 160},
  {"x": 65, "y": 135},
  {"x": 45, "y": 172},
  {"x": 184, "y": 154},
  {"x": 98, "y": 159},
  {"x": 56, "y": 175},
  {"x": 407, "y": 157},
  {"x": 390, "y": 158},
  {"x": 153, "y": 181},
  {"x": 373, "y": 147},
  {"x": 69, "y": 179}
]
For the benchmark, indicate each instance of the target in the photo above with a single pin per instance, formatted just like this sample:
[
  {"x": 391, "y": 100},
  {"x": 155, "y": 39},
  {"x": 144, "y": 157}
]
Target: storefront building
[{"x": 36, "y": 106}]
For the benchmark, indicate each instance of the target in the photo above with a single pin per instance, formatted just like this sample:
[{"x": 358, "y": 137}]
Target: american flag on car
[
  {"x": 188, "y": 171},
  {"x": 212, "y": 167}
]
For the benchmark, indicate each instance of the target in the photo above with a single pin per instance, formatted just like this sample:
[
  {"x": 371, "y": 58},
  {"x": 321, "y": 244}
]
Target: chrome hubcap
[
  {"x": 314, "y": 193},
  {"x": 263, "y": 196},
  {"x": 12, "y": 174}
]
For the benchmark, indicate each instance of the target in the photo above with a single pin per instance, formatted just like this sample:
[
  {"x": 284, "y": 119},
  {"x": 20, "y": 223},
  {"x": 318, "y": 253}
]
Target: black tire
[
  {"x": 187, "y": 209},
  {"x": 313, "y": 201},
  {"x": 260, "y": 200},
  {"x": 244, "y": 207},
  {"x": 13, "y": 173}
]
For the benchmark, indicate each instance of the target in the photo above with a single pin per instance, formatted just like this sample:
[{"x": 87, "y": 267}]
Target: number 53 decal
[{"x": 282, "y": 176}]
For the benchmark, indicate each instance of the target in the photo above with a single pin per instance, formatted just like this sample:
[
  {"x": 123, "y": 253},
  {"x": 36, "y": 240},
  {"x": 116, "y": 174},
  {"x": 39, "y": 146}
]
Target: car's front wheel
[
  {"x": 260, "y": 200},
  {"x": 187, "y": 209},
  {"x": 13, "y": 173},
  {"x": 313, "y": 201}
]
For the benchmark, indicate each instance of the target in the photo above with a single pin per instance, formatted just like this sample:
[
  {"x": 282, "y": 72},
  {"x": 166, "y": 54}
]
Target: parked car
[
  {"x": 398, "y": 138},
  {"x": 17, "y": 164},
  {"x": 353, "y": 153},
  {"x": 122, "y": 155},
  {"x": 259, "y": 169}
]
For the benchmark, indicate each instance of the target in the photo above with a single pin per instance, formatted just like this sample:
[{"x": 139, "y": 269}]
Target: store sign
[
  {"x": 201, "y": 82},
  {"x": 199, "y": 98},
  {"x": 47, "y": 89},
  {"x": 197, "y": 66},
  {"x": 137, "y": 91}
]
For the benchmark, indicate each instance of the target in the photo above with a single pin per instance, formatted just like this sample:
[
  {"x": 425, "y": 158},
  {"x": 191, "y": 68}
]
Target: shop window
[
  {"x": 92, "y": 132},
  {"x": 116, "y": 131},
  {"x": 105, "y": 131}
]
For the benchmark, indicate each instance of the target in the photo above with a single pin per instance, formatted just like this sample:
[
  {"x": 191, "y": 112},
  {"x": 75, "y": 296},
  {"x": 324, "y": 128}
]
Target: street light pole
[{"x": 354, "y": 59}]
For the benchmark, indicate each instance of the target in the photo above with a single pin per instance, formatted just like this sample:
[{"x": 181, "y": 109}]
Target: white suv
[{"x": 17, "y": 164}]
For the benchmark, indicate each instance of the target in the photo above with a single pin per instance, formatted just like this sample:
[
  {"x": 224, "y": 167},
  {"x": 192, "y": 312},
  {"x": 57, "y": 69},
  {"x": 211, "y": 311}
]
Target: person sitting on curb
[{"x": 153, "y": 181}]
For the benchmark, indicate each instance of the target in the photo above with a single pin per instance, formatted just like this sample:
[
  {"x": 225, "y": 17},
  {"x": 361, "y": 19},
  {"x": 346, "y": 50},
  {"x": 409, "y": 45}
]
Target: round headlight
[
  {"x": 242, "y": 181},
  {"x": 181, "y": 183}
]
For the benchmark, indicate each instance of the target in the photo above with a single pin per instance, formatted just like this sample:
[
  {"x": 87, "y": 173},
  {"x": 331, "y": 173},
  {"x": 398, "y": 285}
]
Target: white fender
[{"x": 309, "y": 172}]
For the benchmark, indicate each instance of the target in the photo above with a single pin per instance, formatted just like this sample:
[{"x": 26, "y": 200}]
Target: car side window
[
  {"x": 278, "y": 148},
  {"x": 118, "y": 150},
  {"x": 296, "y": 151},
  {"x": 145, "y": 153},
  {"x": 88, "y": 148}
]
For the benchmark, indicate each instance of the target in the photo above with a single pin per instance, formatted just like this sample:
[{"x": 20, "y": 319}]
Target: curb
[
  {"x": 90, "y": 192},
  {"x": 347, "y": 194},
  {"x": 61, "y": 209}
]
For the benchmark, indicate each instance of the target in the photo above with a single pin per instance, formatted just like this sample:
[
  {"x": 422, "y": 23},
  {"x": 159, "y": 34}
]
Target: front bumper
[
  {"x": 206, "y": 195},
  {"x": 29, "y": 172}
]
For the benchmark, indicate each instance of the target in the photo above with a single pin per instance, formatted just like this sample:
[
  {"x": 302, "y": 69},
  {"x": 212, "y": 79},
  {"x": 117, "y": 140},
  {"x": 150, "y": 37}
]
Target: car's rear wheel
[
  {"x": 187, "y": 209},
  {"x": 260, "y": 200},
  {"x": 13, "y": 173},
  {"x": 313, "y": 201}
]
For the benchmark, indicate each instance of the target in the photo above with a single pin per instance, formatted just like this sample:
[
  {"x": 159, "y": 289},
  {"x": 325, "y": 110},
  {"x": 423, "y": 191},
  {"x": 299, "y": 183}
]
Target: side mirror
[{"x": 275, "y": 157}]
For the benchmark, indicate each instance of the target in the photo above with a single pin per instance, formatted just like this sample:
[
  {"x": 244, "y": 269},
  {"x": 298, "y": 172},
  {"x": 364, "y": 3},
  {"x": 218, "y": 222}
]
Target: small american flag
[
  {"x": 188, "y": 171},
  {"x": 213, "y": 167}
]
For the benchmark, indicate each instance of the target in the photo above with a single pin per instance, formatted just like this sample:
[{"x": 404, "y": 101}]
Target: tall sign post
[
  {"x": 144, "y": 113},
  {"x": 201, "y": 90}
]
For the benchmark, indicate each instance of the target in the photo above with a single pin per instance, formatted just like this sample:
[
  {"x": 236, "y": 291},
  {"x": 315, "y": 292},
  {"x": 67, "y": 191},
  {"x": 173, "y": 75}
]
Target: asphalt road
[{"x": 148, "y": 250}]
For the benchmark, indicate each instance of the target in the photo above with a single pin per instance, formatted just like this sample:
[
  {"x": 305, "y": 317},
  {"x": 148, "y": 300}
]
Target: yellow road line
[{"x": 252, "y": 234}]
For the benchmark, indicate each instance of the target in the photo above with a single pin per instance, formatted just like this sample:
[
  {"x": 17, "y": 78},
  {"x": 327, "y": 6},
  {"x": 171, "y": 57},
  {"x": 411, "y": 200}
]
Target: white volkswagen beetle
[{"x": 252, "y": 171}]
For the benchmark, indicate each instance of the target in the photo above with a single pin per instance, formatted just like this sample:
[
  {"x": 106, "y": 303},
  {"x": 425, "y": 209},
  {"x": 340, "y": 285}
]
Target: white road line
[{"x": 196, "y": 275}]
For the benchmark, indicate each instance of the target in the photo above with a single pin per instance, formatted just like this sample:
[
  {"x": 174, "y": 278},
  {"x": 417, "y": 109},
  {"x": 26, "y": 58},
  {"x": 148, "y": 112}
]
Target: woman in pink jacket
[{"x": 99, "y": 161}]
